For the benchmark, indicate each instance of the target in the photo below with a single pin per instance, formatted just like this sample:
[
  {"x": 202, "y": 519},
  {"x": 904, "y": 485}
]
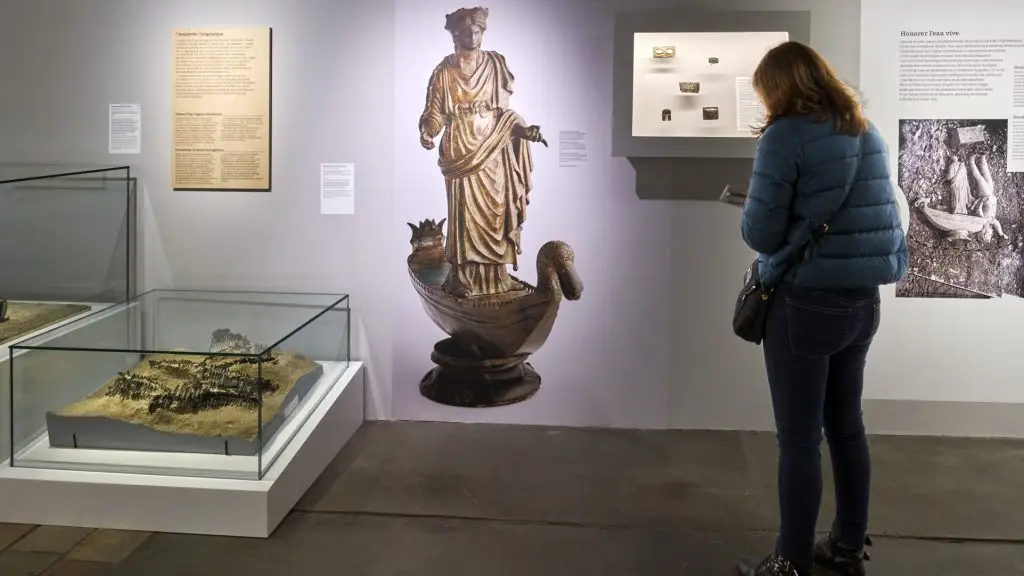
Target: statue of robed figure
[
  {"x": 494, "y": 320},
  {"x": 484, "y": 158}
]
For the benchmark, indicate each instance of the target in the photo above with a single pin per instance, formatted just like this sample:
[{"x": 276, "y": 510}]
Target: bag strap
[{"x": 821, "y": 229}]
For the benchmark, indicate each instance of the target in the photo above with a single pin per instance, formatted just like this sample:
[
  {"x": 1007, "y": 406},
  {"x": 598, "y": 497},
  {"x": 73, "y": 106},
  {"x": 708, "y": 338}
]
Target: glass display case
[
  {"x": 68, "y": 234},
  {"x": 171, "y": 382},
  {"x": 69, "y": 237},
  {"x": 698, "y": 84}
]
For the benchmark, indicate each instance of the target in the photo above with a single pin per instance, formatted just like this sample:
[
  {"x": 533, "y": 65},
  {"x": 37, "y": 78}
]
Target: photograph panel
[{"x": 965, "y": 236}]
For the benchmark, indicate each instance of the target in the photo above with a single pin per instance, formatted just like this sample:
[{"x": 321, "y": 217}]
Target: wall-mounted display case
[
  {"x": 706, "y": 83},
  {"x": 181, "y": 383},
  {"x": 682, "y": 102}
]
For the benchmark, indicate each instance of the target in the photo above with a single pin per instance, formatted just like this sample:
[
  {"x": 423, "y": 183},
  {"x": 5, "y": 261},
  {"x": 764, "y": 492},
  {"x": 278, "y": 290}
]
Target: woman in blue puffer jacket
[{"x": 823, "y": 217}]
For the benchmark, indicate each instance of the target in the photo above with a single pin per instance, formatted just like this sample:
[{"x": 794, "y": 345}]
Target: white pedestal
[{"x": 185, "y": 504}]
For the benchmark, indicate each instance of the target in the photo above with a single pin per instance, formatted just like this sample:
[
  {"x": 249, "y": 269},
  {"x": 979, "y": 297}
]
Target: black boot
[
  {"x": 838, "y": 559},
  {"x": 773, "y": 565}
]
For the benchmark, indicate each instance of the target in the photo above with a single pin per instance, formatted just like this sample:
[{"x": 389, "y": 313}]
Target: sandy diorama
[
  {"x": 27, "y": 317},
  {"x": 190, "y": 402}
]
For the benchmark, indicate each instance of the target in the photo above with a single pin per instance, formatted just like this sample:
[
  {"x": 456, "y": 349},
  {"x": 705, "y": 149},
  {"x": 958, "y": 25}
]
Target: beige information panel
[{"x": 222, "y": 109}]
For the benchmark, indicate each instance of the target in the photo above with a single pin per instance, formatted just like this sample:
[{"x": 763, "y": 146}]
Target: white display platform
[
  {"x": 725, "y": 84},
  {"x": 187, "y": 504}
]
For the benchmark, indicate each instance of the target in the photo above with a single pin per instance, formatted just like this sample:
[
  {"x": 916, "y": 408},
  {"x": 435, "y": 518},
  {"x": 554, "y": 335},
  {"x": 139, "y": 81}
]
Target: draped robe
[
  {"x": 487, "y": 171},
  {"x": 959, "y": 189}
]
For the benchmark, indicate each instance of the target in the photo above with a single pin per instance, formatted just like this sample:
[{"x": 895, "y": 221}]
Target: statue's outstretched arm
[{"x": 432, "y": 118}]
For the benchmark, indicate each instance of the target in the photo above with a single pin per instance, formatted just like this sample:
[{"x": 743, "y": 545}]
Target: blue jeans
[{"x": 815, "y": 348}]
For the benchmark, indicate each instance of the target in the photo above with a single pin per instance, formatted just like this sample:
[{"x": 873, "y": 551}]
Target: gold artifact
[
  {"x": 664, "y": 52},
  {"x": 689, "y": 87},
  {"x": 495, "y": 320}
]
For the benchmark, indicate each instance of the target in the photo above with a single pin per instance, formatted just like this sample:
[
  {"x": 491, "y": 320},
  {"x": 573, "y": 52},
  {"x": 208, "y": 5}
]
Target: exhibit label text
[{"x": 929, "y": 33}]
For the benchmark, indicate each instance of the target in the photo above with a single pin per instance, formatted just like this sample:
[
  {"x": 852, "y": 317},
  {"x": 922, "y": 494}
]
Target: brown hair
[{"x": 794, "y": 79}]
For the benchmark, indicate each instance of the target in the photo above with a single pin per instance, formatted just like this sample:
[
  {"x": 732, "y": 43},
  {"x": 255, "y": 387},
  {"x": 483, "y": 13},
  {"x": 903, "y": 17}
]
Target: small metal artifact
[
  {"x": 969, "y": 135},
  {"x": 689, "y": 87},
  {"x": 710, "y": 112},
  {"x": 666, "y": 115},
  {"x": 664, "y": 52},
  {"x": 3, "y": 310},
  {"x": 713, "y": 60}
]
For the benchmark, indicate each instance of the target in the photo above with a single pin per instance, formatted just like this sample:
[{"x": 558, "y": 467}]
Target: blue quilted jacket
[{"x": 802, "y": 171}]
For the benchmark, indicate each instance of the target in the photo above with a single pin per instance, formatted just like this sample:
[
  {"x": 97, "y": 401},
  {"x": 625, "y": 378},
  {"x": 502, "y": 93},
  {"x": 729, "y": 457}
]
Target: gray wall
[{"x": 64, "y": 61}]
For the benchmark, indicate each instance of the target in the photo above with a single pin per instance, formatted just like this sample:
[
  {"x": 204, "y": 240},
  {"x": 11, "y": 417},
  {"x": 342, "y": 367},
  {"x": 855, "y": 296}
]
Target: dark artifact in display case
[
  {"x": 3, "y": 310},
  {"x": 494, "y": 320},
  {"x": 689, "y": 87},
  {"x": 666, "y": 115},
  {"x": 713, "y": 60},
  {"x": 191, "y": 403},
  {"x": 664, "y": 52},
  {"x": 710, "y": 112}
]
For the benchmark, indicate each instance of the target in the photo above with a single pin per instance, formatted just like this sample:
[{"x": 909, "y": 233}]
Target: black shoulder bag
[{"x": 751, "y": 314}]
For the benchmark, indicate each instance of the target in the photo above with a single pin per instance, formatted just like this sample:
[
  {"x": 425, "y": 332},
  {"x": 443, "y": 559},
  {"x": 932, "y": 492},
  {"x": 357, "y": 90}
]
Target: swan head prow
[{"x": 556, "y": 271}]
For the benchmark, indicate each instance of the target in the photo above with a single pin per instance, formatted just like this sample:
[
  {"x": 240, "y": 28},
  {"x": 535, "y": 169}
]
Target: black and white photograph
[{"x": 965, "y": 236}]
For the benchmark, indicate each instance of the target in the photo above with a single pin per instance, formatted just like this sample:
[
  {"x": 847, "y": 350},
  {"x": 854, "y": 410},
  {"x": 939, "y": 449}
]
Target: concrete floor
[{"x": 449, "y": 499}]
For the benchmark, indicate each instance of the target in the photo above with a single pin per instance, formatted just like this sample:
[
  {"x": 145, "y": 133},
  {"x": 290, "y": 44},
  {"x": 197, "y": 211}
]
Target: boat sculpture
[
  {"x": 493, "y": 319},
  {"x": 968, "y": 214},
  {"x": 483, "y": 362}
]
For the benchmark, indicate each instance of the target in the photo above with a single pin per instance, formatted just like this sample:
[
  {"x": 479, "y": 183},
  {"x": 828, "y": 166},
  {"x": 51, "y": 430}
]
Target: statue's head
[{"x": 467, "y": 27}]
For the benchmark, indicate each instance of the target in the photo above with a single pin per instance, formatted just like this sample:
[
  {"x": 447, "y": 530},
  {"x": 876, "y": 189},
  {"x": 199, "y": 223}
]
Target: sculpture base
[{"x": 469, "y": 381}]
